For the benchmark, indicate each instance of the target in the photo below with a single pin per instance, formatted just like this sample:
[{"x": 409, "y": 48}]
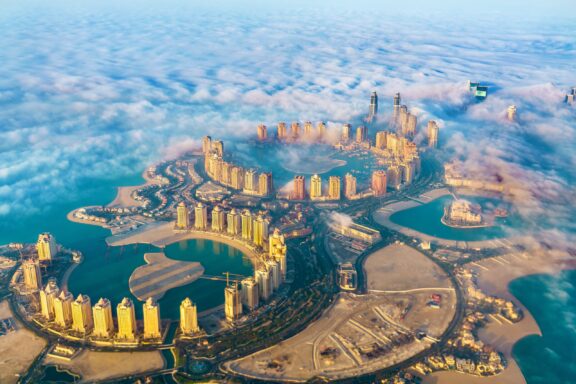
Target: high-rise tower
[
  {"x": 315, "y": 187},
  {"x": 46, "y": 247},
  {"x": 103, "y": 321},
  {"x": 82, "y": 320},
  {"x": 32, "y": 274},
  {"x": 183, "y": 218},
  {"x": 188, "y": 317},
  {"x": 379, "y": 182},
  {"x": 334, "y": 188},
  {"x": 349, "y": 185},
  {"x": 126, "y": 320},
  {"x": 152, "y": 322},
  {"x": 373, "y": 105}
]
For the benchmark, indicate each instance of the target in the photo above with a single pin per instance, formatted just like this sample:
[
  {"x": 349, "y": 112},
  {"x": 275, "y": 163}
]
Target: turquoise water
[
  {"x": 426, "y": 219},
  {"x": 551, "y": 299},
  {"x": 105, "y": 270}
]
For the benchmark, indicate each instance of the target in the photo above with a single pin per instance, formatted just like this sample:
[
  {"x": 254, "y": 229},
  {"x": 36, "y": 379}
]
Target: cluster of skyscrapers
[
  {"x": 247, "y": 180},
  {"x": 296, "y": 132}
]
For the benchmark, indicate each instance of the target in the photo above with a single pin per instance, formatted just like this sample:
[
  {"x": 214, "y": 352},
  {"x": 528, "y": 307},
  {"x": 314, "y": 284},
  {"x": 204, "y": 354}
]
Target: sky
[{"x": 100, "y": 90}]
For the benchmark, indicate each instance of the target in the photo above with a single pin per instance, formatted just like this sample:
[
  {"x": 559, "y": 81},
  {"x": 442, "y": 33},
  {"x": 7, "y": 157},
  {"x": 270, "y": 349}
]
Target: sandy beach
[
  {"x": 494, "y": 276},
  {"x": 18, "y": 349},
  {"x": 123, "y": 196}
]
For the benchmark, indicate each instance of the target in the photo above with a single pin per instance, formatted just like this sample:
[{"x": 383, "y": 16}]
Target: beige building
[
  {"x": 234, "y": 222},
  {"x": 126, "y": 317},
  {"x": 277, "y": 250},
  {"x": 246, "y": 225},
  {"x": 349, "y": 186},
  {"x": 321, "y": 129},
  {"x": 265, "y": 184},
  {"x": 346, "y": 132},
  {"x": 188, "y": 317},
  {"x": 103, "y": 321},
  {"x": 237, "y": 178},
  {"x": 32, "y": 274},
  {"x": 264, "y": 280},
  {"x": 47, "y": 297},
  {"x": 63, "y": 309},
  {"x": 315, "y": 187},
  {"x": 206, "y": 144},
  {"x": 46, "y": 247},
  {"x": 183, "y": 217},
  {"x": 262, "y": 132},
  {"x": 381, "y": 138},
  {"x": 260, "y": 230},
  {"x": 152, "y": 319},
  {"x": 511, "y": 113},
  {"x": 281, "y": 132},
  {"x": 82, "y": 320},
  {"x": 433, "y": 134},
  {"x": 251, "y": 181},
  {"x": 232, "y": 302},
  {"x": 334, "y": 189},
  {"x": 200, "y": 217},
  {"x": 250, "y": 293},
  {"x": 218, "y": 217},
  {"x": 275, "y": 273}
]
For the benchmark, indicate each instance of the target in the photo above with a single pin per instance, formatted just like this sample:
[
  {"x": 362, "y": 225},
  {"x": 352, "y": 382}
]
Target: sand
[
  {"x": 17, "y": 349},
  {"x": 123, "y": 196},
  {"x": 94, "y": 366}
]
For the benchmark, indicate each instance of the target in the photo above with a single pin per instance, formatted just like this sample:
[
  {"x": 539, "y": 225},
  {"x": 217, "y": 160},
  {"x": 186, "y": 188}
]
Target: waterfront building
[
  {"x": 393, "y": 177},
  {"x": 361, "y": 134},
  {"x": 200, "y": 216},
  {"x": 299, "y": 192},
  {"x": 281, "y": 133},
  {"x": 225, "y": 176},
  {"x": 347, "y": 277},
  {"x": 433, "y": 134},
  {"x": 32, "y": 274},
  {"x": 511, "y": 113},
  {"x": 250, "y": 293},
  {"x": 357, "y": 231},
  {"x": 264, "y": 280},
  {"x": 47, "y": 297},
  {"x": 392, "y": 143},
  {"x": 46, "y": 247},
  {"x": 277, "y": 250},
  {"x": 349, "y": 186},
  {"x": 82, "y": 320},
  {"x": 152, "y": 320},
  {"x": 265, "y": 184},
  {"x": 373, "y": 105},
  {"x": 206, "y": 144},
  {"x": 188, "y": 317},
  {"x": 295, "y": 130},
  {"x": 308, "y": 130},
  {"x": 315, "y": 187},
  {"x": 408, "y": 170},
  {"x": 346, "y": 132},
  {"x": 126, "y": 320},
  {"x": 334, "y": 188},
  {"x": 463, "y": 213},
  {"x": 218, "y": 147},
  {"x": 260, "y": 230},
  {"x": 103, "y": 321},
  {"x": 381, "y": 139},
  {"x": 379, "y": 182},
  {"x": 250, "y": 181},
  {"x": 246, "y": 225},
  {"x": 411, "y": 125},
  {"x": 63, "y": 309},
  {"x": 321, "y": 129},
  {"x": 232, "y": 302},
  {"x": 237, "y": 178},
  {"x": 234, "y": 223},
  {"x": 262, "y": 132},
  {"x": 397, "y": 101},
  {"x": 183, "y": 217},
  {"x": 218, "y": 218},
  {"x": 275, "y": 273}
]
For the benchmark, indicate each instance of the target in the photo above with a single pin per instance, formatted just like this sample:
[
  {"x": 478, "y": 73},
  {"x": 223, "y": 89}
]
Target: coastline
[
  {"x": 494, "y": 277},
  {"x": 123, "y": 197}
]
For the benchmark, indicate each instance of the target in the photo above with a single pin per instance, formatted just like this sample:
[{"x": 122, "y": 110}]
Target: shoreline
[
  {"x": 494, "y": 278},
  {"x": 123, "y": 197}
]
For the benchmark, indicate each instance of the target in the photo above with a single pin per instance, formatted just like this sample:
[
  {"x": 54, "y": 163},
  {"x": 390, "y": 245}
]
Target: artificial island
[{"x": 305, "y": 274}]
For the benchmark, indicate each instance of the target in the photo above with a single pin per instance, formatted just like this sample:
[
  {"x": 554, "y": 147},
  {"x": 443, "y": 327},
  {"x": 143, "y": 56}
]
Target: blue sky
[{"x": 91, "y": 91}]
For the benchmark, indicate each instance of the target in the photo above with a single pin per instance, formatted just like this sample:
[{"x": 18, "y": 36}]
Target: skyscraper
[
  {"x": 315, "y": 187},
  {"x": 206, "y": 144},
  {"x": 393, "y": 177},
  {"x": 103, "y": 321},
  {"x": 264, "y": 280},
  {"x": 32, "y": 274},
  {"x": 308, "y": 130},
  {"x": 126, "y": 320},
  {"x": 188, "y": 317},
  {"x": 237, "y": 178},
  {"x": 350, "y": 186},
  {"x": 334, "y": 188},
  {"x": 260, "y": 230},
  {"x": 82, "y": 320},
  {"x": 200, "y": 216},
  {"x": 265, "y": 184},
  {"x": 251, "y": 181},
  {"x": 360, "y": 134},
  {"x": 246, "y": 225},
  {"x": 433, "y": 134},
  {"x": 47, "y": 297},
  {"x": 63, "y": 309},
  {"x": 277, "y": 250},
  {"x": 381, "y": 137},
  {"x": 379, "y": 182},
  {"x": 218, "y": 147},
  {"x": 262, "y": 132},
  {"x": 232, "y": 302},
  {"x": 234, "y": 223},
  {"x": 281, "y": 133},
  {"x": 346, "y": 132},
  {"x": 275, "y": 273},
  {"x": 511, "y": 113},
  {"x": 295, "y": 130},
  {"x": 250, "y": 293},
  {"x": 396, "y": 107},
  {"x": 183, "y": 218},
  {"x": 321, "y": 130},
  {"x": 218, "y": 223},
  {"x": 46, "y": 247},
  {"x": 411, "y": 125},
  {"x": 152, "y": 322},
  {"x": 299, "y": 192},
  {"x": 373, "y": 105}
]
